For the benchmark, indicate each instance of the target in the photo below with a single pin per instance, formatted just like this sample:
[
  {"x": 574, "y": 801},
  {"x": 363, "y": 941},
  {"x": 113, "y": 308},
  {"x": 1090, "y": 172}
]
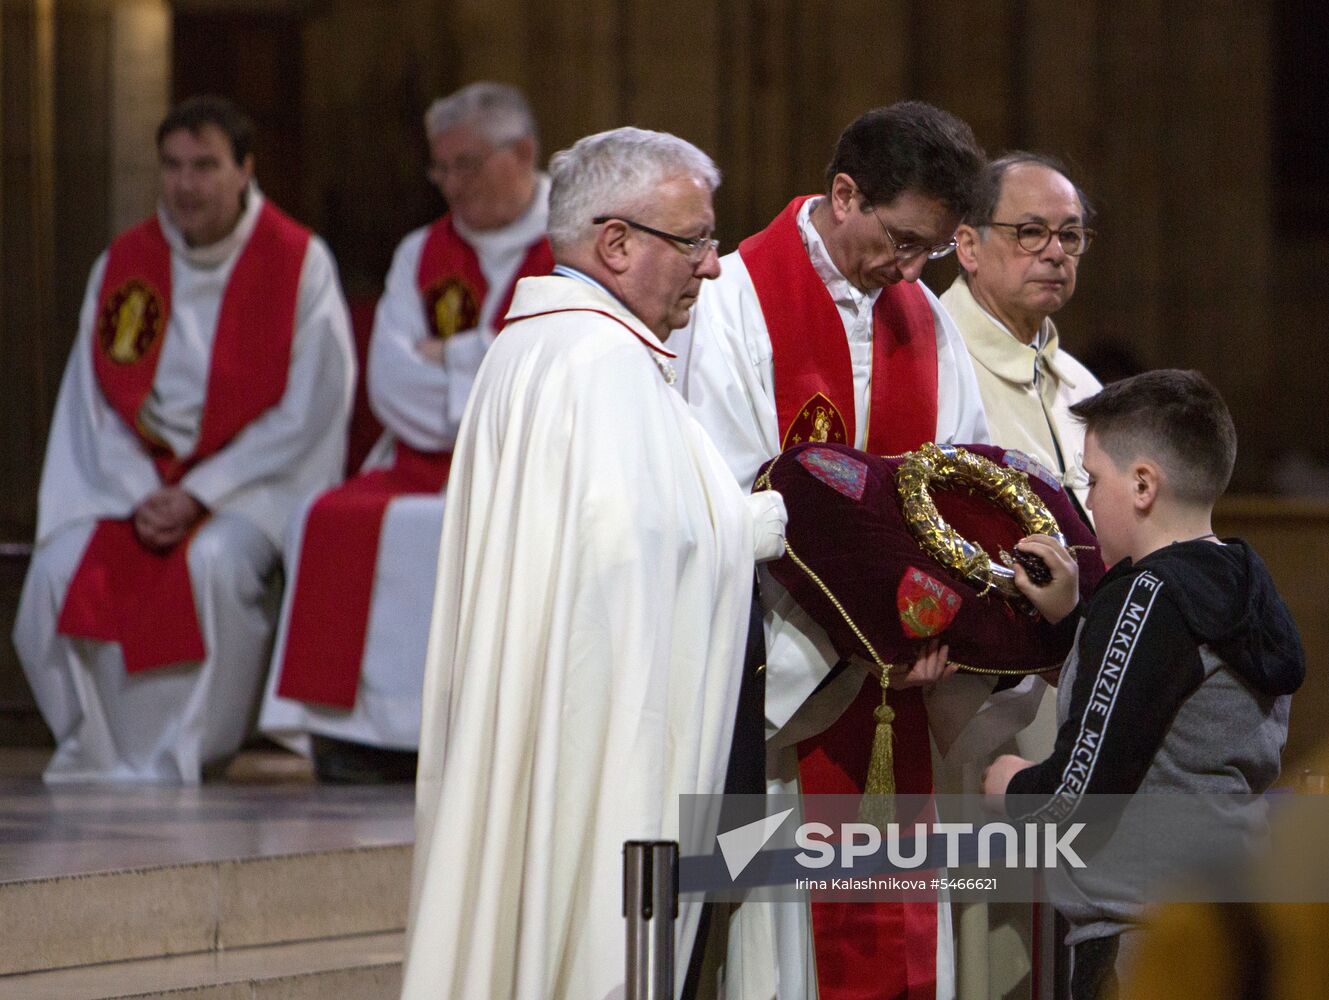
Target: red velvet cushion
[{"x": 845, "y": 525}]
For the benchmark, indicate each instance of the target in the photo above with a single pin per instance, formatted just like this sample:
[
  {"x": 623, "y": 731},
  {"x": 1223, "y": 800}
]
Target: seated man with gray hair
[
  {"x": 590, "y": 618},
  {"x": 349, "y": 661}
]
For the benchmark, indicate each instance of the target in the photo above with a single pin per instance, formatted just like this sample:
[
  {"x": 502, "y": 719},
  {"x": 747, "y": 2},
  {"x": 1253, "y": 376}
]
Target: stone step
[
  {"x": 360, "y": 967},
  {"x": 215, "y": 906}
]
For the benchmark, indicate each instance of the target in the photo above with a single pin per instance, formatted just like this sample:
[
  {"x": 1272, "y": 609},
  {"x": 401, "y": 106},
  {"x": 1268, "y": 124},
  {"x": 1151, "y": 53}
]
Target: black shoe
[{"x": 341, "y": 762}]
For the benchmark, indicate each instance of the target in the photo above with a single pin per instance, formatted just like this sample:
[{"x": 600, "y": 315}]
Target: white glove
[{"x": 768, "y": 520}]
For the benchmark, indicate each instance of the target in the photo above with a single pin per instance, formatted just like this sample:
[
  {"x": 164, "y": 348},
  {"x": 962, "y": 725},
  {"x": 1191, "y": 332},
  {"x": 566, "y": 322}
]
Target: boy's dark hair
[
  {"x": 989, "y": 186},
  {"x": 910, "y": 145},
  {"x": 208, "y": 109},
  {"x": 1176, "y": 418}
]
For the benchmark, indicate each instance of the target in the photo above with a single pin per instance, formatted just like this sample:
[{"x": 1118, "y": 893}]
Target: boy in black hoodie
[{"x": 1184, "y": 662}]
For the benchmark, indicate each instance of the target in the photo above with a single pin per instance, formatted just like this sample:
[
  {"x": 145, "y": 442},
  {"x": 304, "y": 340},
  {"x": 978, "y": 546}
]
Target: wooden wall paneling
[
  {"x": 672, "y": 60},
  {"x": 578, "y": 69},
  {"x": 812, "y": 55},
  {"x": 27, "y": 252},
  {"x": 84, "y": 191},
  {"x": 370, "y": 72},
  {"x": 1132, "y": 82},
  {"x": 27, "y": 311},
  {"x": 139, "y": 97},
  {"x": 767, "y": 118},
  {"x": 736, "y": 210},
  {"x": 3, "y": 90},
  {"x": 493, "y": 39},
  {"x": 865, "y": 56},
  {"x": 968, "y": 59},
  {"x": 1214, "y": 252},
  {"x": 1061, "y": 106},
  {"x": 965, "y": 59}
]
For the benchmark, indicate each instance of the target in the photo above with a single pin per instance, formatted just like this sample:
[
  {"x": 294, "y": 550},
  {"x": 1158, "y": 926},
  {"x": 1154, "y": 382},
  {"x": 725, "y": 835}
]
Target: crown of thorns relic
[
  {"x": 886, "y": 551},
  {"x": 1007, "y": 487}
]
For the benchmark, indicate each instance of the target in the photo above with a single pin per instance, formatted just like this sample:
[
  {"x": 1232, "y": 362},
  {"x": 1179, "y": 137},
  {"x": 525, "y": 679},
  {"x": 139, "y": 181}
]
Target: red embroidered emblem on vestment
[
  {"x": 452, "y": 306},
  {"x": 819, "y": 421},
  {"x": 130, "y": 322}
]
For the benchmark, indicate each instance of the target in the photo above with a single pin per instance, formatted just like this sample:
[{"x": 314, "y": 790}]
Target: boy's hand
[
  {"x": 1058, "y": 598},
  {"x": 997, "y": 776}
]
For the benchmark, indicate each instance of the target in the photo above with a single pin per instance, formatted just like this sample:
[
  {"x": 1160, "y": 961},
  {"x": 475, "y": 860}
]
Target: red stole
[
  {"x": 334, "y": 585},
  {"x": 122, "y": 592},
  {"x": 863, "y": 950}
]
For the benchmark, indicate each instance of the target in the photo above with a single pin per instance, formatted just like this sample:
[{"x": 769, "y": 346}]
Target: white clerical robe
[
  {"x": 166, "y": 724},
  {"x": 730, "y": 384},
  {"x": 584, "y": 658},
  {"x": 1028, "y": 391},
  {"x": 420, "y": 402}
]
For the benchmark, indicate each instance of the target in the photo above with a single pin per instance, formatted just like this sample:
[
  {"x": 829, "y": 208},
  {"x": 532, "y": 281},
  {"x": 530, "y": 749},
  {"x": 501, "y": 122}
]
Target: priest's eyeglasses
[
  {"x": 906, "y": 252},
  {"x": 1034, "y": 237},
  {"x": 696, "y": 247}
]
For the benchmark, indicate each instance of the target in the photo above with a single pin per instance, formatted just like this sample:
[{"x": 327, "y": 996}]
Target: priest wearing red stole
[
  {"x": 818, "y": 329},
  {"x": 207, "y": 392},
  {"x": 349, "y": 661}
]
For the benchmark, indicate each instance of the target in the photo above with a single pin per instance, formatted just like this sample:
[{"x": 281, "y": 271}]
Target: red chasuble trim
[
  {"x": 810, "y": 352},
  {"x": 325, "y": 637},
  {"x": 122, "y": 592},
  {"x": 598, "y": 312},
  {"x": 862, "y": 949}
]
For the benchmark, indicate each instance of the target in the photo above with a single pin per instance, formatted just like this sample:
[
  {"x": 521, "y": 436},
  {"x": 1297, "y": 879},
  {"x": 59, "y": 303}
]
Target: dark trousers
[
  {"x": 746, "y": 772},
  {"x": 1094, "y": 969}
]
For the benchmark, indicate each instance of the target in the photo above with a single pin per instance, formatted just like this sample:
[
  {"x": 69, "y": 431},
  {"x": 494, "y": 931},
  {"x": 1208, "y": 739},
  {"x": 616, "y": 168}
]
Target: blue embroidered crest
[
  {"x": 1031, "y": 466},
  {"x": 842, "y": 473}
]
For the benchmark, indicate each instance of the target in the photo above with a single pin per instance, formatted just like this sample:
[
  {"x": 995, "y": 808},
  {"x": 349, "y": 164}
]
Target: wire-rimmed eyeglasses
[
  {"x": 696, "y": 247},
  {"x": 907, "y": 252}
]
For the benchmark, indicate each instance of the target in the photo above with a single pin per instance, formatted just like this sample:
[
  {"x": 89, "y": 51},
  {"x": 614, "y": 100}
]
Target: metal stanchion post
[{"x": 650, "y": 904}]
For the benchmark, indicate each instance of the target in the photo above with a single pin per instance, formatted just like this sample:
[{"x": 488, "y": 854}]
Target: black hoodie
[{"x": 1179, "y": 676}]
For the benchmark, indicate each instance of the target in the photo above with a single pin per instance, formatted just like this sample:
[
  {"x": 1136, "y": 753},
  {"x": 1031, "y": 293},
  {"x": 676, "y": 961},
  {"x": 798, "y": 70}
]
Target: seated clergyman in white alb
[
  {"x": 595, "y": 578},
  {"x": 361, "y": 559},
  {"x": 206, "y": 394}
]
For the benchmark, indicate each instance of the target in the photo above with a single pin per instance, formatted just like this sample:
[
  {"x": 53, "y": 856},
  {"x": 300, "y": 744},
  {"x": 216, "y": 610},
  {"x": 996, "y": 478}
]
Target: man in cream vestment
[
  {"x": 594, "y": 582},
  {"x": 1019, "y": 252}
]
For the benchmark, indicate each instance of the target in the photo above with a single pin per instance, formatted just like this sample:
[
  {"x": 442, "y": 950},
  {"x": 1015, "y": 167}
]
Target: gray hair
[
  {"x": 617, "y": 172},
  {"x": 497, "y": 110}
]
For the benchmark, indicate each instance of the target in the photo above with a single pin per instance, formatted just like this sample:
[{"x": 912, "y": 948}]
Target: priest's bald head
[
  {"x": 632, "y": 209},
  {"x": 899, "y": 182},
  {"x": 483, "y": 147}
]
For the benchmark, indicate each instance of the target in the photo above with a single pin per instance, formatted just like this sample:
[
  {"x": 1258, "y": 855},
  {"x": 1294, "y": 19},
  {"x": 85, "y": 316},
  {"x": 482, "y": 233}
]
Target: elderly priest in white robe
[
  {"x": 592, "y": 600},
  {"x": 206, "y": 394},
  {"x": 349, "y": 661}
]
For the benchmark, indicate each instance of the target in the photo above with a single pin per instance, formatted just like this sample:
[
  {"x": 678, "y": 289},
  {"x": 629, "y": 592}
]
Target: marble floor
[{"x": 266, "y": 805}]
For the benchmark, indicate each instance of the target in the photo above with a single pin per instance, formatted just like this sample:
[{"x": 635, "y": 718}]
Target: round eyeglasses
[
  {"x": 1033, "y": 237},
  {"x": 695, "y": 247}
]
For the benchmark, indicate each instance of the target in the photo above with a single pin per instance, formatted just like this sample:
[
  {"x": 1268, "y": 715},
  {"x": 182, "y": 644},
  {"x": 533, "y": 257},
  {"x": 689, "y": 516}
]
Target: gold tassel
[{"x": 878, "y": 805}]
